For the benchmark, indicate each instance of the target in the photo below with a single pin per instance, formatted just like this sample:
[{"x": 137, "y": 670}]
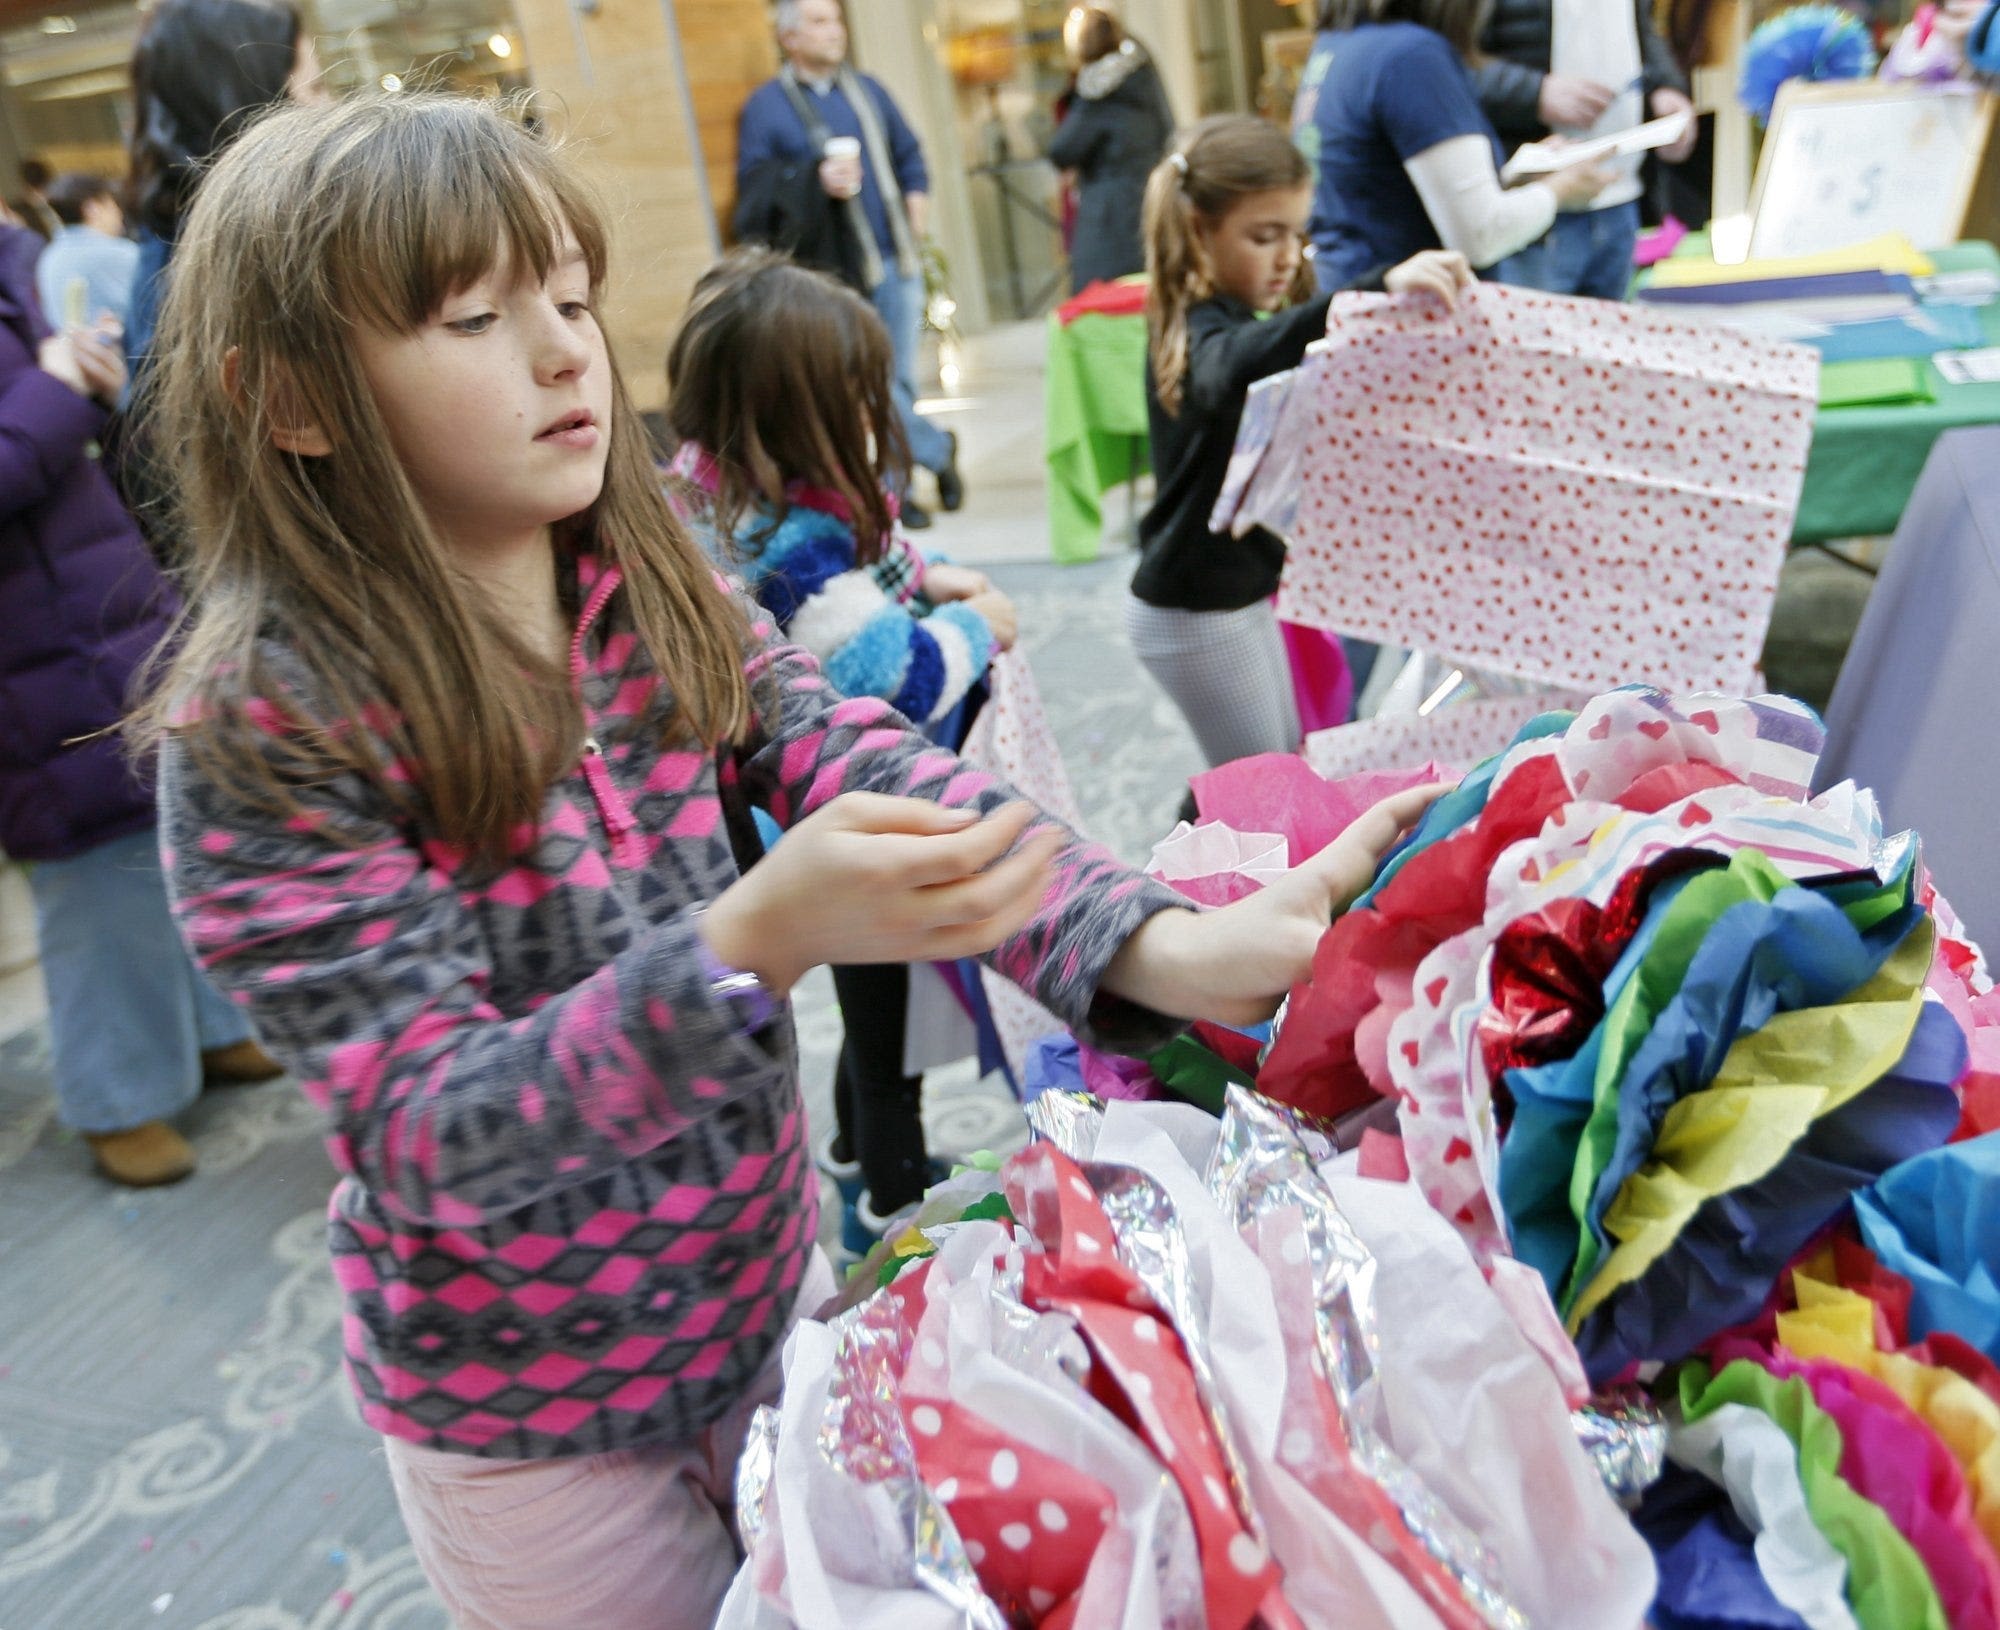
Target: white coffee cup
[{"x": 845, "y": 150}]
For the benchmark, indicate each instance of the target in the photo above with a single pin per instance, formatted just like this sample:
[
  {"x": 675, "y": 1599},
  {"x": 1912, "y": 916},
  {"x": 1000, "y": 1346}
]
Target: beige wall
[
  {"x": 728, "y": 50},
  {"x": 1167, "y": 27},
  {"x": 611, "y": 82}
]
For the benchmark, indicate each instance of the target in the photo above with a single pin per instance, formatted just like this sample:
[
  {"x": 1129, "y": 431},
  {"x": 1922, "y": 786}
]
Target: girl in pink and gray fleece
[{"x": 459, "y": 750}]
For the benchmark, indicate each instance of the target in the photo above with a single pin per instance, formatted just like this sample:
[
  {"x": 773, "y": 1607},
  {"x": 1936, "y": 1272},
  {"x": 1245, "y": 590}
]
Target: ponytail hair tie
[{"x": 1180, "y": 164}]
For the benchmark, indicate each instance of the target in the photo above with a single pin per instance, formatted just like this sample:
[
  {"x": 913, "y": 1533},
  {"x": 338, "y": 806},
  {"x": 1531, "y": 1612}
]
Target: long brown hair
[
  {"x": 783, "y": 375},
  {"x": 370, "y": 213},
  {"x": 1221, "y": 160}
]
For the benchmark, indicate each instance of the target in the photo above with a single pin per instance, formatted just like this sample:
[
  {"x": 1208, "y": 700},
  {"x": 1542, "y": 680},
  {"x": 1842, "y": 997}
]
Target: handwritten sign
[{"x": 1846, "y": 163}]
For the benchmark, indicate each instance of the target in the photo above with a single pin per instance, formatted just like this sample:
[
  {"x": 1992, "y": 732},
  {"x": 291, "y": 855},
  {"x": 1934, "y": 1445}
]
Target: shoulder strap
[
  {"x": 816, "y": 131},
  {"x": 746, "y": 843}
]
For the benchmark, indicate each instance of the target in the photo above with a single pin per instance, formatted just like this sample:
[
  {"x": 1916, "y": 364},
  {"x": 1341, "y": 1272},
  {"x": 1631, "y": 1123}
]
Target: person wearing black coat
[
  {"x": 1116, "y": 126},
  {"x": 782, "y": 202}
]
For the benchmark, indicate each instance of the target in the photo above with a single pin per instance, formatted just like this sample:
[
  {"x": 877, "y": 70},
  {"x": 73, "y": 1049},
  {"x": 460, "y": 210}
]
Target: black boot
[{"x": 950, "y": 484}]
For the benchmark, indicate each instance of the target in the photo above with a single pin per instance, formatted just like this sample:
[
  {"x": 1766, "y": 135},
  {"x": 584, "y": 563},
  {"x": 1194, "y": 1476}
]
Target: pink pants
[{"x": 637, "y": 1539}]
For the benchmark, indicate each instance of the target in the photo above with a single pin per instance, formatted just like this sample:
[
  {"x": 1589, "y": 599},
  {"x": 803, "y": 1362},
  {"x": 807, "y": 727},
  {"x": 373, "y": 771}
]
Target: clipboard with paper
[{"x": 1545, "y": 158}]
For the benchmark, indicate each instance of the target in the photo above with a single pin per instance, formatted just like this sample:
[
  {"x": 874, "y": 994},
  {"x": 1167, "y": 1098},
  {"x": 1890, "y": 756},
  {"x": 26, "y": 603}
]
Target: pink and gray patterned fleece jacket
[{"x": 576, "y": 1201}]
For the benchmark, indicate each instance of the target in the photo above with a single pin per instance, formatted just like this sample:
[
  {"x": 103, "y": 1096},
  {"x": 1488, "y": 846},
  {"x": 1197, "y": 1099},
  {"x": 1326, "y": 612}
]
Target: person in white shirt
[
  {"x": 1580, "y": 68},
  {"x": 85, "y": 275}
]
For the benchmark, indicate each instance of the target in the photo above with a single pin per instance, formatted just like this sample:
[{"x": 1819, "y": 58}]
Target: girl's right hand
[
  {"x": 999, "y": 613},
  {"x": 1439, "y": 272},
  {"x": 870, "y": 878},
  {"x": 1577, "y": 185}
]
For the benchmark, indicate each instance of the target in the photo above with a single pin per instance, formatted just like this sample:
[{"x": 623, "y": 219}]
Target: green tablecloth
[
  {"x": 1096, "y": 424},
  {"x": 1866, "y": 460},
  {"x": 1864, "y": 464}
]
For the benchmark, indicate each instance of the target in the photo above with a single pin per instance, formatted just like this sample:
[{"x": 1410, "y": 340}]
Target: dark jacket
[
  {"x": 781, "y": 203},
  {"x": 1112, "y": 137},
  {"x": 779, "y": 200},
  {"x": 1518, "y": 44},
  {"x": 1183, "y": 566},
  {"x": 81, "y": 605}
]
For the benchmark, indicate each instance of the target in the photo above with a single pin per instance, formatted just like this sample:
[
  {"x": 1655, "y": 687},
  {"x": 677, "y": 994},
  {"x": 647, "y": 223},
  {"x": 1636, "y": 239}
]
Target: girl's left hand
[
  {"x": 944, "y": 582},
  {"x": 1442, "y": 272},
  {"x": 1000, "y": 616},
  {"x": 1234, "y": 965}
]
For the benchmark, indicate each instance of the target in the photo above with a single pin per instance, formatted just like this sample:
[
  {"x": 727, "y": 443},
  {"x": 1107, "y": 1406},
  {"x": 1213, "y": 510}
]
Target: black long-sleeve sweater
[{"x": 1183, "y": 565}]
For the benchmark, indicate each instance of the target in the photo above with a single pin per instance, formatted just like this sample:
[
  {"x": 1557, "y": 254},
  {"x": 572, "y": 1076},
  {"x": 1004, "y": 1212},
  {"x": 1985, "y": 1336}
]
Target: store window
[
  {"x": 1004, "y": 59},
  {"x": 64, "y": 88},
  {"x": 65, "y": 91},
  {"x": 466, "y": 45}
]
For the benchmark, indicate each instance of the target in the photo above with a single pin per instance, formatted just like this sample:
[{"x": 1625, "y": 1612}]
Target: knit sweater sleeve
[
  {"x": 1229, "y": 350},
  {"x": 821, "y": 744},
  {"x": 869, "y": 642},
  {"x": 365, "y": 965}
]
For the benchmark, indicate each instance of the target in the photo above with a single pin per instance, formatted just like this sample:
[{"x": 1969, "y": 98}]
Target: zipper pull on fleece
[{"x": 616, "y": 814}]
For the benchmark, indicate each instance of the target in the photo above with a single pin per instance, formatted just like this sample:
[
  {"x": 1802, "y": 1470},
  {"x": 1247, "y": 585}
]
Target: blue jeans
[
  {"x": 129, "y": 1013},
  {"x": 900, "y": 300},
  {"x": 1586, "y": 253}
]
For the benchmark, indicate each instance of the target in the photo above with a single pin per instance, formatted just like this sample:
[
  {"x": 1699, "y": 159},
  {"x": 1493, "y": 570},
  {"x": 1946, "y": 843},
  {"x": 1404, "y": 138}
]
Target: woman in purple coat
[{"x": 136, "y": 1027}]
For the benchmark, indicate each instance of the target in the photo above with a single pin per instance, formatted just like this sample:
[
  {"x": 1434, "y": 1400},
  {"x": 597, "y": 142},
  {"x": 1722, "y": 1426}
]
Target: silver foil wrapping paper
[
  {"x": 1263, "y": 1162},
  {"x": 1069, "y": 1120},
  {"x": 1625, "y": 1436}
]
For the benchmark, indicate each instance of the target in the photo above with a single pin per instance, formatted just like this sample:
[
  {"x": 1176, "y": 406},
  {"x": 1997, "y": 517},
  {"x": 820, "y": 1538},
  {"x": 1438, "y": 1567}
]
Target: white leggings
[{"x": 1226, "y": 671}]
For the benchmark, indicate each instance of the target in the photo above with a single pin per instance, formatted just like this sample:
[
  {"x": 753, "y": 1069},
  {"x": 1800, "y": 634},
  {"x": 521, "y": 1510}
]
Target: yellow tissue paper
[
  {"x": 1772, "y": 1086},
  {"x": 1890, "y": 253}
]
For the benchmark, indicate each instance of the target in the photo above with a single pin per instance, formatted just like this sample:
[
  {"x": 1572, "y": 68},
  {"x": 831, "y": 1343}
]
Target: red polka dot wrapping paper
[
  {"x": 1141, "y": 1373},
  {"x": 1572, "y": 491},
  {"x": 1037, "y": 1521}
]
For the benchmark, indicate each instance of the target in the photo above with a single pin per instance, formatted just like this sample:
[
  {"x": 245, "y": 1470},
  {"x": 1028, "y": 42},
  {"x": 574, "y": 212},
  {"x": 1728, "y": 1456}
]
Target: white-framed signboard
[{"x": 1849, "y": 162}]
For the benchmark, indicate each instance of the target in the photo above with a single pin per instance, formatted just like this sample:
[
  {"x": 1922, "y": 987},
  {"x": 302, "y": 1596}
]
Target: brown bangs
[{"x": 440, "y": 214}]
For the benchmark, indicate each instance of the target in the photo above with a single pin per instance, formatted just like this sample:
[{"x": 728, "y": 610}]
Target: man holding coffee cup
[{"x": 828, "y": 168}]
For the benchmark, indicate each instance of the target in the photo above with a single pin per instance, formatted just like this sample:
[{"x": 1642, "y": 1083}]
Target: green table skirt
[{"x": 1095, "y": 422}]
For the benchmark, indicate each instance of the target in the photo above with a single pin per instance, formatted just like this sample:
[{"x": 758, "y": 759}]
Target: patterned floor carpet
[{"x": 177, "y": 1450}]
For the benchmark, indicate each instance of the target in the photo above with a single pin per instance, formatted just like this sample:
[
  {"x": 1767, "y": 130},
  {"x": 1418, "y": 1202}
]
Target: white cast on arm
[{"x": 1472, "y": 212}]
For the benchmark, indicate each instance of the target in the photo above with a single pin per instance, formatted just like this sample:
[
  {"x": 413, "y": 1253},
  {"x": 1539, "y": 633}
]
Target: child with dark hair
[
  {"x": 790, "y": 452},
  {"x": 202, "y": 70},
  {"x": 136, "y": 1029},
  {"x": 32, "y": 207}
]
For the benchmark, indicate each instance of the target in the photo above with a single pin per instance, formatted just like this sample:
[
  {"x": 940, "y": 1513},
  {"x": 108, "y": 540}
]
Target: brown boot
[
  {"x": 144, "y": 1156},
  {"x": 238, "y": 1065}
]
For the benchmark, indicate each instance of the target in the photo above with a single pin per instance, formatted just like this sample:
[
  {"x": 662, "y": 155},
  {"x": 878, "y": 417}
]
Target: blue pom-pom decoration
[{"x": 1815, "y": 42}]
